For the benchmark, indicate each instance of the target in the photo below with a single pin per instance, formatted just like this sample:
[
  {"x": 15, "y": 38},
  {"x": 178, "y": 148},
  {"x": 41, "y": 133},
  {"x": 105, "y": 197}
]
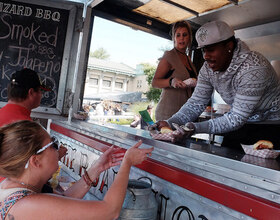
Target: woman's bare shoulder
[{"x": 50, "y": 206}]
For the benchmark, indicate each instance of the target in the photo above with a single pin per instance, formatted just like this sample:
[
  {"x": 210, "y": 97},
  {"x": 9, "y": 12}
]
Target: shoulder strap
[
  {"x": 173, "y": 59},
  {"x": 7, "y": 204},
  {"x": 191, "y": 65}
]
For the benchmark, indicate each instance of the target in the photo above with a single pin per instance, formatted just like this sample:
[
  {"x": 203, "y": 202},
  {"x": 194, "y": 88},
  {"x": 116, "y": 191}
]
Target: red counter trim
[{"x": 240, "y": 201}]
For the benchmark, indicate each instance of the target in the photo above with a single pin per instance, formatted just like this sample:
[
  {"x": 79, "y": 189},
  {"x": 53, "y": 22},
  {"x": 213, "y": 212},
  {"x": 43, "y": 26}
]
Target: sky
[{"x": 126, "y": 45}]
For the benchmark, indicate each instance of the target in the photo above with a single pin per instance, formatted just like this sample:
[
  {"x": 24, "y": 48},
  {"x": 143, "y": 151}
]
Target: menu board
[{"x": 32, "y": 36}]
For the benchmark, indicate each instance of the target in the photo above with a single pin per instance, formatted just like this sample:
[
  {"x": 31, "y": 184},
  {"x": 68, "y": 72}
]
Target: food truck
[{"x": 196, "y": 179}]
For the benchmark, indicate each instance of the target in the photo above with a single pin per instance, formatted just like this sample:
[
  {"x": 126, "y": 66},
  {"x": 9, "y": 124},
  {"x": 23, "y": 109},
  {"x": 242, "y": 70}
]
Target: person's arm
[
  {"x": 160, "y": 80},
  {"x": 50, "y": 206},
  {"x": 247, "y": 98},
  {"x": 116, "y": 193},
  {"x": 108, "y": 159},
  {"x": 197, "y": 103}
]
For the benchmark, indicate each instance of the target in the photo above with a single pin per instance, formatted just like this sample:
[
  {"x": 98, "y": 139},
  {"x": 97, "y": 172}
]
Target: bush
[{"x": 153, "y": 94}]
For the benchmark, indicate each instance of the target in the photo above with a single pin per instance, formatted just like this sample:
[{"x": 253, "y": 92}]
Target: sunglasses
[{"x": 54, "y": 143}]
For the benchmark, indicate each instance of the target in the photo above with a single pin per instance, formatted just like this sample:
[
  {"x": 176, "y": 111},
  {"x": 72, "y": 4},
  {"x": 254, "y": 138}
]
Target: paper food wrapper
[
  {"x": 265, "y": 153},
  {"x": 81, "y": 115},
  {"x": 169, "y": 136},
  {"x": 164, "y": 137}
]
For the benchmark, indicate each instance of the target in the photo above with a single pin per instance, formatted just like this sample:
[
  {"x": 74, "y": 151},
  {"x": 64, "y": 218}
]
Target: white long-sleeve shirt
[{"x": 249, "y": 85}]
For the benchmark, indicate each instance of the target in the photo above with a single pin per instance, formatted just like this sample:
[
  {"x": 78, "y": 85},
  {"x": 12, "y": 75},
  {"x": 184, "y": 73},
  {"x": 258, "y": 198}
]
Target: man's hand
[{"x": 183, "y": 131}]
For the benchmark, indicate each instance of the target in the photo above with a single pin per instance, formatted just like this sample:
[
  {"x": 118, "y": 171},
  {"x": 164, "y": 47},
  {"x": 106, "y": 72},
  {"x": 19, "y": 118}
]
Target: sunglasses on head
[{"x": 54, "y": 143}]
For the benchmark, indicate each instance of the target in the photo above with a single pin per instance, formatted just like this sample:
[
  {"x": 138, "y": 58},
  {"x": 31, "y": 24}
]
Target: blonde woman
[
  {"x": 29, "y": 157},
  {"x": 175, "y": 74}
]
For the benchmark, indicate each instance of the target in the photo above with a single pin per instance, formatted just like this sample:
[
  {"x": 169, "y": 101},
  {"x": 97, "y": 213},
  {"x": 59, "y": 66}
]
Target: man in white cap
[{"x": 245, "y": 80}]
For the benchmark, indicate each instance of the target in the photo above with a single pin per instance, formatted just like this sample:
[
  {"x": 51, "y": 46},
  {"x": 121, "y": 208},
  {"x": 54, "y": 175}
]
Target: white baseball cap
[{"x": 213, "y": 32}]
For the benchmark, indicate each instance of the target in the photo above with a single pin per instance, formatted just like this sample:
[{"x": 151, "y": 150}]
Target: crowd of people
[{"x": 104, "y": 108}]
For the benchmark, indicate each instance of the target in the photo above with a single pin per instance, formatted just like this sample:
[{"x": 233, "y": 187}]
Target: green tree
[
  {"x": 152, "y": 94},
  {"x": 100, "y": 53}
]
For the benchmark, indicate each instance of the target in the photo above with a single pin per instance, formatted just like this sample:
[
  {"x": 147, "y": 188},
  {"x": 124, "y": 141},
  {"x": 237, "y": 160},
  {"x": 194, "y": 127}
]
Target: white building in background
[{"x": 107, "y": 77}]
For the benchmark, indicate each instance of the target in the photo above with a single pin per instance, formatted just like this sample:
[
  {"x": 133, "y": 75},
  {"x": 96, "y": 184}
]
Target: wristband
[
  {"x": 170, "y": 82},
  {"x": 95, "y": 182},
  {"x": 88, "y": 181}
]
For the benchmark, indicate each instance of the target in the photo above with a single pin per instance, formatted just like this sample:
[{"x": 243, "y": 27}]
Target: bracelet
[
  {"x": 88, "y": 181},
  {"x": 95, "y": 182},
  {"x": 170, "y": 82}
]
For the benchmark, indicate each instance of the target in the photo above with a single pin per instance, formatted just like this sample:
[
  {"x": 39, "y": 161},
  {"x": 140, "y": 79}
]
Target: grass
[
  {"x": 135, "y": 108},
  {"x": 122, "y": 122},
  {"x": 139, "y": 106}
]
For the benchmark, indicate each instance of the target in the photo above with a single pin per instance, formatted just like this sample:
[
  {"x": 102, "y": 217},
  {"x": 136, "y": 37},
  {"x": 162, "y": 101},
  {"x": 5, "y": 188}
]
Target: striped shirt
[{"x": 249, "y": 85}]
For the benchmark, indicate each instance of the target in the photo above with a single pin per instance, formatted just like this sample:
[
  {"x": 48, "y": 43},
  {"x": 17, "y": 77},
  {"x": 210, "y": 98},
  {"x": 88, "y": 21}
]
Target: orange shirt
[{"x": 12, "y": 113}]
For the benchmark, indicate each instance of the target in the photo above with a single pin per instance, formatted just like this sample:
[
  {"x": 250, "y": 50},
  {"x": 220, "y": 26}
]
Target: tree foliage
[
  {"x": 100, "y": 53},
  {"x": 153, "y": 94}
]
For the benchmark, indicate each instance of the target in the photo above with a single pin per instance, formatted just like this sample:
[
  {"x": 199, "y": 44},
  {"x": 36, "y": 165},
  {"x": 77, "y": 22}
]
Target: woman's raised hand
[
  {"x": 135, "y": 156},
  {"x": 109, "y": 158},
  {"x": 112, "y": 157}
]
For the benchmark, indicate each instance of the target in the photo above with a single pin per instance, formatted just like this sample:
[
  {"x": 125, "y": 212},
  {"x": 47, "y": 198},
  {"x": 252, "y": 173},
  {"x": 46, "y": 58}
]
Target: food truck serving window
[
  {"x": 35, "y": 36},
  {"x": 121, "y": 64}
]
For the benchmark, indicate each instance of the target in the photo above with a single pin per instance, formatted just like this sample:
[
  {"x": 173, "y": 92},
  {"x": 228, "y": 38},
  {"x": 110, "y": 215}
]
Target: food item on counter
[
  {"x": 263, "y": 144},
  {"x": 208, "y": 109},
  {"x": 165, "y": 130},
  {"x": 81, "y": 115}
]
